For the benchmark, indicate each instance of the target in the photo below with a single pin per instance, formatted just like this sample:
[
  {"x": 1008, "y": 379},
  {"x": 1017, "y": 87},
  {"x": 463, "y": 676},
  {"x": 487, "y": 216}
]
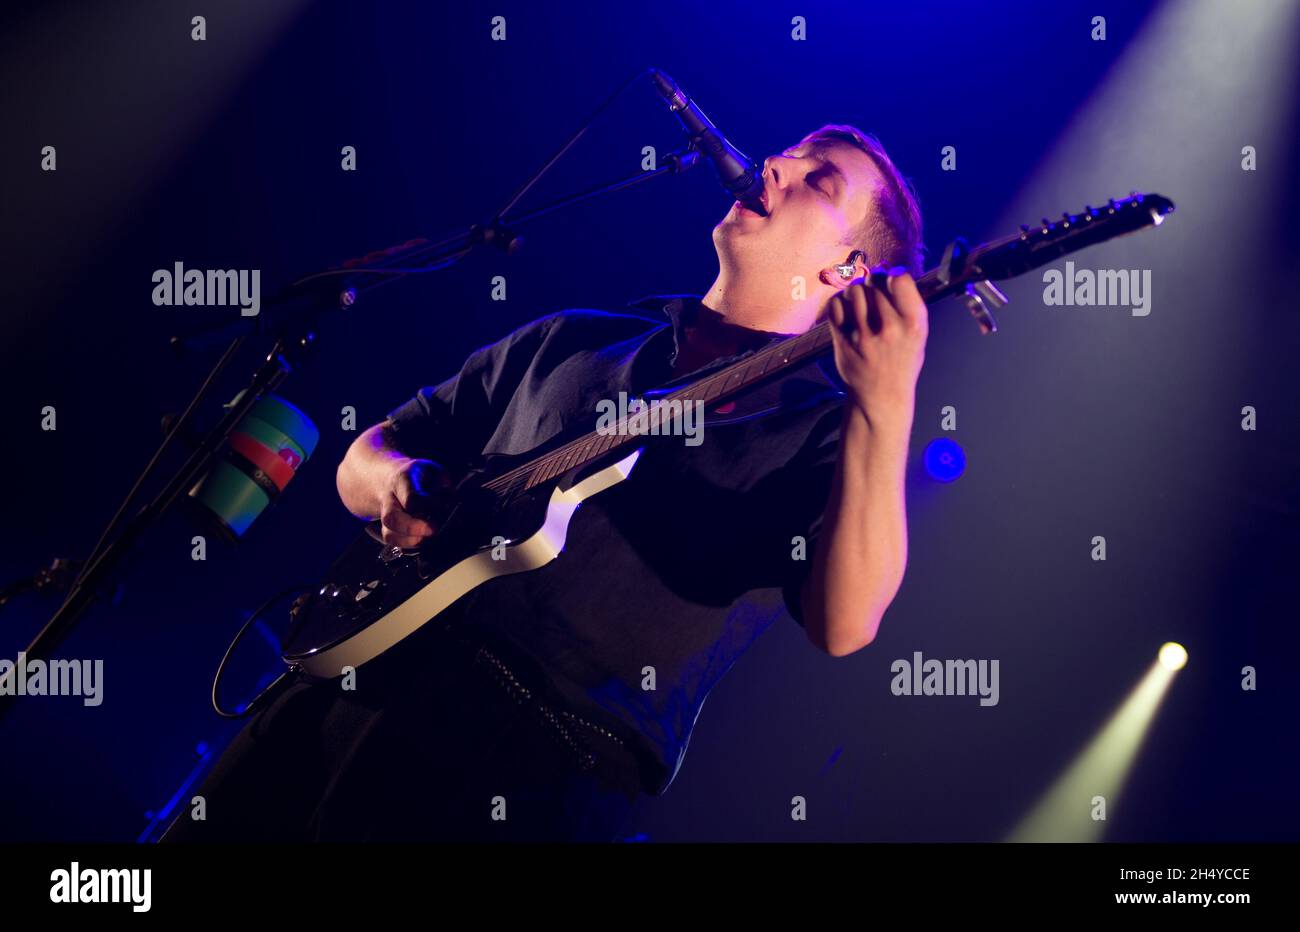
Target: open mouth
[{"x": 763, "y": 200}]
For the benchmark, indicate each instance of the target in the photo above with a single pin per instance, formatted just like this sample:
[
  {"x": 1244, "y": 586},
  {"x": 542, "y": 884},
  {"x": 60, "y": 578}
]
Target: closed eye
[{"x": 820, "y": 182}]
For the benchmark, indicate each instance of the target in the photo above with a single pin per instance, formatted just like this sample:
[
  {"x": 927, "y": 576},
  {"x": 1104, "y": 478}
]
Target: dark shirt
[{"x": 669, "y": 576}]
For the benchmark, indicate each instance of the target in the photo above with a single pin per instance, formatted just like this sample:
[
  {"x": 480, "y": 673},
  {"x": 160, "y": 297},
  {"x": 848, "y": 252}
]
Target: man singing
[{"x": 542, "y": 703}]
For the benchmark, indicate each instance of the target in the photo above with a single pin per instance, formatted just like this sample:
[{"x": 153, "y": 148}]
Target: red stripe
[{"x": 263, "y": 457}]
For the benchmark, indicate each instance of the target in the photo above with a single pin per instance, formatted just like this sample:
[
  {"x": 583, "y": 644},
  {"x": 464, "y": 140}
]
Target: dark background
[{"x": 1076, "y": 421}]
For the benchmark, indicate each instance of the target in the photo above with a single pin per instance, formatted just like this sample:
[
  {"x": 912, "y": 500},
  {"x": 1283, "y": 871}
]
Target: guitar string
[{"x": 793, "y": 347}]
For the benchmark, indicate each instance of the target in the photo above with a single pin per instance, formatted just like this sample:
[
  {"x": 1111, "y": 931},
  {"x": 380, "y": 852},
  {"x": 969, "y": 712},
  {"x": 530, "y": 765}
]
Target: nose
[
  {"x": 772, "y": 168},
  {"x": 781, "y": 168}
]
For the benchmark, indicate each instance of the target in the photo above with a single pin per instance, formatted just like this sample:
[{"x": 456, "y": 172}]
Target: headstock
[{"x": 972, "y": 272}]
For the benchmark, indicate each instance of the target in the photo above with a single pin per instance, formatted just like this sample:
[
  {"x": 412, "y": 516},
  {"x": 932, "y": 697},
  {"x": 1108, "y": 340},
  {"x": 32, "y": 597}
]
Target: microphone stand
[{"x": 335, "y": 288}]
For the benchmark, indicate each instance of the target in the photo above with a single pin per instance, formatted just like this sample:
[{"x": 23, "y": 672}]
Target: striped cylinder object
[{"x": 263, "y": 454}]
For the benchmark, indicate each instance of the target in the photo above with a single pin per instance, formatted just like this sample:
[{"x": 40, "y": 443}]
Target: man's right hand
[{"x": 418, "y": 493}]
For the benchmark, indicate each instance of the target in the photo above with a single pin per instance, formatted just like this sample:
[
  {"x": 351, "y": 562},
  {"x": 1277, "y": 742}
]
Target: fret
[
  {"x": 602, "y": 442},
  {"x": 632, "y": 416},
  {"x": 803, "y": 346},
  {"x": 576, "y": 452},
  {"x": 541, "y": 472},
  {"x": 689, "y": 398},
  {"x": 712, "y": 387},
  {"x": 645, "y": 418},
  {"x": 508, "y": 484},
  {"x": 581, "y": 451},
  {"x": 516, "y": 484},
  {"x": 562, "y": 456},
  {"x": 552, "y": 467},
  {"x": 794, "y": 352},
  {"x": 661, "y": 416},
  {"x": 733, "y": 379}
]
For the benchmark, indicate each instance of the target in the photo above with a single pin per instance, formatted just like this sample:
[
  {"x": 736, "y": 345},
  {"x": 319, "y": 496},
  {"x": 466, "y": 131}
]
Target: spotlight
[
  {"x": 944, "y": 459},
  {"x": 1064, "y": 812},
  {"x": 1173, "y": 656}
]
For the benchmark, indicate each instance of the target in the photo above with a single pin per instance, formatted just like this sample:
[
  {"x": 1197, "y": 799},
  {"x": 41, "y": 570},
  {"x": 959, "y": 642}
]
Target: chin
[
  {"x": 731, "y": 249},
  {"x": 731, "y": 231}
]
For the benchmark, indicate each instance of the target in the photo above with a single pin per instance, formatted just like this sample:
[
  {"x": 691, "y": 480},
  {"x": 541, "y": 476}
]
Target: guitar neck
[
  {"x": 767, "y": 364},
  {"x": 784, "y": 356}
]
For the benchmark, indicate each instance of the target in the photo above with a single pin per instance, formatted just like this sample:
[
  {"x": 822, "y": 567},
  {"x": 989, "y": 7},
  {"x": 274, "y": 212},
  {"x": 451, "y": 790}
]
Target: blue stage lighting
[{"x": 944, "y": 459}]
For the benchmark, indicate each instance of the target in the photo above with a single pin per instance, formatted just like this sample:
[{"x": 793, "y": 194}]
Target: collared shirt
[{"x": 667, "y": 577}]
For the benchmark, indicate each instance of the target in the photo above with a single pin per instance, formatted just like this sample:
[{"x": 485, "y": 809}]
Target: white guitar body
[{"x": 427, "y": 603}]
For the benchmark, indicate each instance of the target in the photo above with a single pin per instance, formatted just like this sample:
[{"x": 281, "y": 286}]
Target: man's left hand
[{"x": 879, "y": 327}]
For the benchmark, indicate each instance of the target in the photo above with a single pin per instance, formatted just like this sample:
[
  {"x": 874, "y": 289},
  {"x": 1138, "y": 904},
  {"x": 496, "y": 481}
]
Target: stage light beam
[{"x": 1067, "y": 812}]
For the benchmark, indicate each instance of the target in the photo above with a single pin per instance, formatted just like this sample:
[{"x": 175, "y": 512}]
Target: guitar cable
[{"x": 260, "y": 697}]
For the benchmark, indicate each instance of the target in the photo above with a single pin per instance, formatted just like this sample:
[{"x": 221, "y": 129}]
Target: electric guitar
[{"x": 511, "y": 514}]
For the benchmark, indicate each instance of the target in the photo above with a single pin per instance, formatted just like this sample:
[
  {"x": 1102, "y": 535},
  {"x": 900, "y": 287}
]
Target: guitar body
[{"x": 377, "y": 595}]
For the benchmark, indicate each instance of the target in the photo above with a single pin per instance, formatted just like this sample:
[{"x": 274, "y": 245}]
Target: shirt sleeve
[
  {"x": 452, "y": 422},
  {"x": 811, "y": 487}
]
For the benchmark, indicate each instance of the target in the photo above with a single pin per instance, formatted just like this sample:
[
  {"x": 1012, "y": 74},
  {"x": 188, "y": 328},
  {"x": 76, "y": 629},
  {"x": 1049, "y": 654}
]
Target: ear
[{"x": 840, "y": 274}]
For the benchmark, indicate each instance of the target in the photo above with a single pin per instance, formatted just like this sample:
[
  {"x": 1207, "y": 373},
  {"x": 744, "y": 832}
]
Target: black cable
[{"x": 216, "y": 680}]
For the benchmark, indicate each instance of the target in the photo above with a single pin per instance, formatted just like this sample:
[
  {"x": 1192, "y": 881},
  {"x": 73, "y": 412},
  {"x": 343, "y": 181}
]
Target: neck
[
  {"x": 760, "y": 302},
  {"x": 707, "y": 335}
]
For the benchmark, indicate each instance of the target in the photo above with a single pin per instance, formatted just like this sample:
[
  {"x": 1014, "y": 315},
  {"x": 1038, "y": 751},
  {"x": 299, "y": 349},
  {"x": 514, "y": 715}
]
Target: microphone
[{"x": 739, "y": 174}]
